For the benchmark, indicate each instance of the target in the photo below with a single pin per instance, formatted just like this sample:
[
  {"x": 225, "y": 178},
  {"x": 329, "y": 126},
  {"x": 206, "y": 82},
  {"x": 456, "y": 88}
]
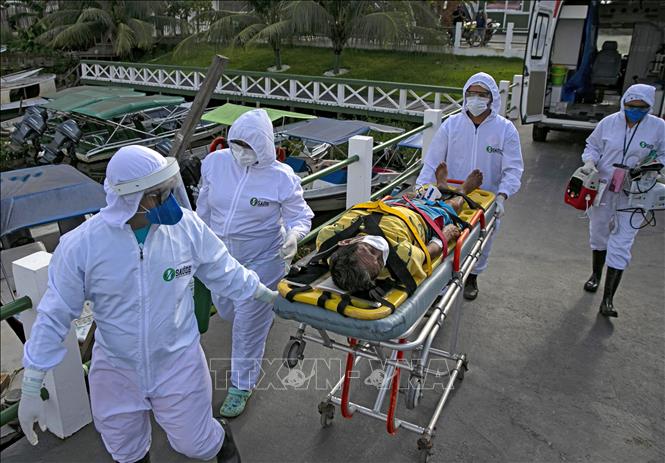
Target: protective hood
[
  {"x": 255, "y": 128},
  {"x": 128, "y": 163},
  {"x": 643, "y": 92},
  {"x": 489, "y": 82}
]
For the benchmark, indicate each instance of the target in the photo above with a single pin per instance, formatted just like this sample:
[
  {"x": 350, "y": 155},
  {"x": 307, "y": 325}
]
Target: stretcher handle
[
  {"x": 394, "y": 391},
  {"x": 346, "y": 385},
  {"x": 479, "y": 215}
]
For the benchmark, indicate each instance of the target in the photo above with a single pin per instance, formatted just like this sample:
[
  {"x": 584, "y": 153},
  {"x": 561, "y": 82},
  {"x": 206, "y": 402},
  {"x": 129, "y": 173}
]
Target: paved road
[{"x": 549, "y": 380}]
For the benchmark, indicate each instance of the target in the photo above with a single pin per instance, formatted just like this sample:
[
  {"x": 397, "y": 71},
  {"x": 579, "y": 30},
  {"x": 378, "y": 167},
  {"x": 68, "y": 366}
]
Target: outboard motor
[
  {"x": 164, "y": 147},
  {"x": 31, "y": 127},
  {"x": 67, "y": 136}
]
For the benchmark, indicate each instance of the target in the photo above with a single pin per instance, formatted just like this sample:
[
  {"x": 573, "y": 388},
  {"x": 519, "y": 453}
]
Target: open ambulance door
[{"x": 536, "y": 60}]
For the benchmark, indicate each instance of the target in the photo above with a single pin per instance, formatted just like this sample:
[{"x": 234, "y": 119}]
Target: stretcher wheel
[
  {"x": 414, "y": 392},
  {"x": 293, "y": 352},
  {"x": 462, "y": 370},
  {"x": 327, "y": 412},
  {"x": 425, "y": 449}
]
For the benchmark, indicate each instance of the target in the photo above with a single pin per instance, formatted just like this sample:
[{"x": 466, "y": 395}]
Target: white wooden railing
[{"x": 326, "y": 93}]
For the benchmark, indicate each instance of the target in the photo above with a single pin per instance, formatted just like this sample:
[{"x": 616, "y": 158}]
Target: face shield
[{"x": 160, "y": 195}]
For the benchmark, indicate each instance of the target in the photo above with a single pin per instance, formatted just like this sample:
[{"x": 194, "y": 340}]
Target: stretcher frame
[{"x": 426, "y": 327}]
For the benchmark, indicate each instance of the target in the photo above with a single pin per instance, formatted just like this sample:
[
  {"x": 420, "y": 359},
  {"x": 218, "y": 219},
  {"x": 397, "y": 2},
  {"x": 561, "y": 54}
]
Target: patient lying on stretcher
[{"x": 371, "y": 247}]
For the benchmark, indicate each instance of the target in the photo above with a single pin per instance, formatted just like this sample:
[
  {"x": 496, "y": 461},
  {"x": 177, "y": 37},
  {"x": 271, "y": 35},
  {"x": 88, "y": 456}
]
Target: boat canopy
[
  {"x": 46, "y": 194},
  {"x": 107, "y": 102},
  {"x": 333, "y": 131},
  {"x": 414, "y": 141},
  {"x": 229, "y": 112}
]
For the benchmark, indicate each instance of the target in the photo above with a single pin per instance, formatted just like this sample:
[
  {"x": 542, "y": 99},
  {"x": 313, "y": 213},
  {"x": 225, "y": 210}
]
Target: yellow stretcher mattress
[{"x": 369, "y": 310}]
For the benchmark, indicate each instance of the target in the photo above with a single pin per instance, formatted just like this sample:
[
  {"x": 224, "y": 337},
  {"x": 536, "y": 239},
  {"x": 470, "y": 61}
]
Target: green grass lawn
[{"x": 419, "y": 68}]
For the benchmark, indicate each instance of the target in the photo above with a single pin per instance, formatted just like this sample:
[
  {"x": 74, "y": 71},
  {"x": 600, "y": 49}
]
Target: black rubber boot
[
  {"x": 598, "y": 262},
  {"x": 145, "y": 459},
  {"x": 471, "y": 287},
  {"x": 229, "y": 452},
  {"x": 611, "y": 284}
]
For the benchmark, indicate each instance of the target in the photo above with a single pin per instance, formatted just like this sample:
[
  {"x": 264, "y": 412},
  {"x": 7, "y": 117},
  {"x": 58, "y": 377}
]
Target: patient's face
[{"x": 370, "y": 258}]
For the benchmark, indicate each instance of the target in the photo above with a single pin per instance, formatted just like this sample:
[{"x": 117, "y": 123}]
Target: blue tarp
[
  {"x": 40, "y": 195},
  {"x": 332, "y": 131},
  {"x": 414, "y": 141}
]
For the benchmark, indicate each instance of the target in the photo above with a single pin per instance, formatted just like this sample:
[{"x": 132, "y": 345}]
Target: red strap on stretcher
[{"x": 431, "y": 224}]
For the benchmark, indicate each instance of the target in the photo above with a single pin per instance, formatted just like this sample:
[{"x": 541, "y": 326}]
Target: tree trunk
[
  {"x": 338, "y": 61},
  {"x": 276, "y": 45},
  {"x": 278, "y": 59}
]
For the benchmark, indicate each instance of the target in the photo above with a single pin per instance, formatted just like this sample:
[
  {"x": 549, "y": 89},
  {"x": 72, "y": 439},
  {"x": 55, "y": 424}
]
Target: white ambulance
[{"x": 582, "y": 55}]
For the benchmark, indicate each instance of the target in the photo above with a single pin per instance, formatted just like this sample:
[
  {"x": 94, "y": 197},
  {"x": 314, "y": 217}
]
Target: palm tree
[
  {"x": 125, "y": 24},
  {"x": 263, "y": 21},
  {"x": 341, "y": 20}
]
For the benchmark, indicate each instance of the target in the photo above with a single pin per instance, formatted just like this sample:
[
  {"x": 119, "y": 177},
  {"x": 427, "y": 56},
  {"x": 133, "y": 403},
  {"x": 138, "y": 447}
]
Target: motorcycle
[{"x": 473, "y": 38}]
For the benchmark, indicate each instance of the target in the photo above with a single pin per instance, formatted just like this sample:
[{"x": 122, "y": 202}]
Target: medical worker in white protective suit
[
  {"x": 478, "y": 138},
  {"x": 255, "y": 205},
  {"x": 628, "y": 138},
  {"x": 135, "y": 261}
]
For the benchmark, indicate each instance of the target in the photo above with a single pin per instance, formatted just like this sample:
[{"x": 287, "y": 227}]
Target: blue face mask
[
  {"x": 635, "y": 114},
  {"x": 167, "y": 213}
]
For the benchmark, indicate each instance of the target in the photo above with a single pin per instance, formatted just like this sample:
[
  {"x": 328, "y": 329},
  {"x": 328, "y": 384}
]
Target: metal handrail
[
  {"x": 312, "y": 234},
  {"x": 409, "y": 172},
  {"x": 399, "y": 138},
  {"x": 19, "y": 305},
  {"x": 9, "y": 414},
  {"x": 329, "y": 170}
]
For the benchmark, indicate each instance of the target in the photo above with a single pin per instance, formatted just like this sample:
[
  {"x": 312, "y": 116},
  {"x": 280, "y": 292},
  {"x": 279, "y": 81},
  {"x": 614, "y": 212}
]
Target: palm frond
[
  {"x": 96, "y": 15},
  {"x": 272, "y": 32},
  {"x": 187, "y": 45},
  {"x": 224, "y": 30},
  {"x": 247, "y": 34},
  {"x": 76, "y": 36},
  {"x": 388, "y": 26},
  {"x": 309, "y": 16},
  {"x": 124, "y": 40},
  {"x": 47, "y": 37},
  {"x": 143, "y": 32},
  {"x": 61, "y": 17}
]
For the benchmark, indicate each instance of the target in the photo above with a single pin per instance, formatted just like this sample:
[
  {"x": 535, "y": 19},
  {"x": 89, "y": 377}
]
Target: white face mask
[
  {"x": 378, "y": 243},
  {"x": 476, "y": 105},
  {"x": 243, "y": 156}
]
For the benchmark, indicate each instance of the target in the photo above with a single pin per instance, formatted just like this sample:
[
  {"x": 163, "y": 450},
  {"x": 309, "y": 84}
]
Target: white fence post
[
  {"x": 504, "y": 89},
  {"x": 515, "y": 98},
  {"x": 458, "y": 35},
  {"x": 434, "y": 116},
  {"x": 508, "y": 46},
  {"x": 68, "y": 406},
  {"x": 359, "y": 174}
]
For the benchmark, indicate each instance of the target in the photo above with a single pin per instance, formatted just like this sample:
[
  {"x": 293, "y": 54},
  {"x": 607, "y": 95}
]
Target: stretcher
[{"x": 411, "y": 328}]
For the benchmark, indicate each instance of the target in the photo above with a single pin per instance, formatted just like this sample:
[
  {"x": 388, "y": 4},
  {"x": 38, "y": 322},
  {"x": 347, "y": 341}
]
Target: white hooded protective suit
[
  {"x": 493, "y": 147},
  {"x": 147, "y": 354},
  {"x": 608, "y": 229},
  {"x": 251, "y": 209}
]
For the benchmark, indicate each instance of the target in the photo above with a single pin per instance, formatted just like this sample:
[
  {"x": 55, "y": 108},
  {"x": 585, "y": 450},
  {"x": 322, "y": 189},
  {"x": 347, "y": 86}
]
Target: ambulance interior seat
[{"x": 606, "y": 68}]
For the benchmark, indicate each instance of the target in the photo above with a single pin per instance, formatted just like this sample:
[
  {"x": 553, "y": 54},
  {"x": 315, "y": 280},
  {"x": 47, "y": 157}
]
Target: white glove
[
  {"x": 265, "y": 294},
  {"x": 500, "y": 208},
  {"x": 31, "y": 406},
  {"x": 588, "y": 167},
  {"x": 290, "y": 246}
]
